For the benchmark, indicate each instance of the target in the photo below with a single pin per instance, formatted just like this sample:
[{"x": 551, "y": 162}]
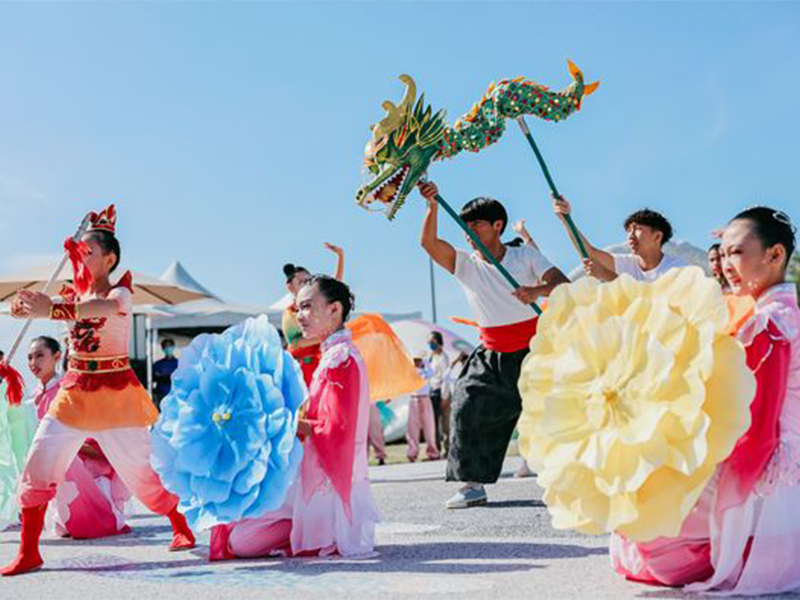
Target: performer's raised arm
[
  {"x": 439, "y": 250},
  {"x": 600, "y": 263},
  {"x": 519, "y": 228},
  {"x": 339, "y": 273}
]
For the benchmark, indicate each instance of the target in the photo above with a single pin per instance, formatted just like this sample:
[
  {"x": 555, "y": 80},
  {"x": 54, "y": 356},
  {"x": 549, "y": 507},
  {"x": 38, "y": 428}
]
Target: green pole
[
  {"x": 566, "y": 218},
  {"x": 489, "y": 256}
]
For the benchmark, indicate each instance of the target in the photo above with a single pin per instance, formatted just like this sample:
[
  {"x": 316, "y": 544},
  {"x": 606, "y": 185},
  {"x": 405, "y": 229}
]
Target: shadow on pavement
[
  {"x": 428, "y": 558},
  {"x": 651, "y": 592},
  {"x": 515, "y": 504},
  {"x": 438, "y": 557},
  {"x": 145, "y": 535}
]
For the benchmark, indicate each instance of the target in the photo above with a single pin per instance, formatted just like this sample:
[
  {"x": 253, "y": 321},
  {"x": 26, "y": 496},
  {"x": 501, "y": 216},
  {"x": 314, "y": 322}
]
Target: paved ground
[{"x": 504, "y": 550}]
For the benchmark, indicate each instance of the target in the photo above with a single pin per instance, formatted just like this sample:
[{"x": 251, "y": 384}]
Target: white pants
[{"x": 127, "y": 450}]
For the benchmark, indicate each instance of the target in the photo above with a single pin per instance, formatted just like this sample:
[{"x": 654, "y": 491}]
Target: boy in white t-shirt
[
  {"x": 647, "y": 231},
  {"x": 486, "y": 403}
]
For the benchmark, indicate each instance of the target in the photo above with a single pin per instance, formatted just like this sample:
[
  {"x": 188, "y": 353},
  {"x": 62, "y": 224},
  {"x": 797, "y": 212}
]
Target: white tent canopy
[
  {"x": 214, "y": 312},
  {"x": 208, "y": 313},
  {"x": 146, "y": 289},
  {"x": 284, "y": 302},
  {"x": 176, "y": 273}
]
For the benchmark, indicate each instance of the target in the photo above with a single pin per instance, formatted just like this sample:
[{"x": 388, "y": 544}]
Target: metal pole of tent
[{"x": 149, "y": 336}]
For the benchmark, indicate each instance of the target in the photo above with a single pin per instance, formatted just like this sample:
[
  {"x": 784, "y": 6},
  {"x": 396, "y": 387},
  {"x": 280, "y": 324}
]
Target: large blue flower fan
[{"x": 225, "y": 443}]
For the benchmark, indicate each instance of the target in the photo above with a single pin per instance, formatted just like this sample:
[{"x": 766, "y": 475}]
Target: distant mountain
[{"x": 689, "y": 252}]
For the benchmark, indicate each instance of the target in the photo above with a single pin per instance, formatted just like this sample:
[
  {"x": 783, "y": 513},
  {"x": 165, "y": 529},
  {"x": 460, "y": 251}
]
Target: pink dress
[
  {"x": 90, "y": 502},
  {"x": 330, "y": 508},
  {"x": 743, "y": 537}
]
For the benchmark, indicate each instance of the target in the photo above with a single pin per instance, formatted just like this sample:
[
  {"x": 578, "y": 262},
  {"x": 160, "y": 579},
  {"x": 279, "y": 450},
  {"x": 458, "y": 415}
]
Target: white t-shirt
[
  {"x": 439, "y": 364},
  {"x": 489, "y": 294},
  {"x": 628, "y": 264}
]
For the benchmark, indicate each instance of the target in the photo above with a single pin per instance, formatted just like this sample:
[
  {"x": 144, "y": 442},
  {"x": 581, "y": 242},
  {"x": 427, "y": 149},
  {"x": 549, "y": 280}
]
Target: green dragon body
[{"x": 411, "y": 136}]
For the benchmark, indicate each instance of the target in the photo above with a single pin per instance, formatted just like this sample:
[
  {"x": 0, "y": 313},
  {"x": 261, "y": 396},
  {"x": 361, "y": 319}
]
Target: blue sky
[{"x": 230, "y": 135}]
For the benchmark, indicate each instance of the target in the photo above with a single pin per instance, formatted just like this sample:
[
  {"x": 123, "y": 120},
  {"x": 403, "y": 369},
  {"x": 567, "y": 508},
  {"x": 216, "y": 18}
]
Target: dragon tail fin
[
  {"x": 577, "y": 75},
  {"x": 574, "y": 70},
  {"x": 589, "y": 88}
]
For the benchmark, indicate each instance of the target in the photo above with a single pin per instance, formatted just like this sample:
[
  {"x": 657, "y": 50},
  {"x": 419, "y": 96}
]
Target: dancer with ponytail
[
  {"x": 305, "y": 351},
  {"x": 330, "y": 508}
]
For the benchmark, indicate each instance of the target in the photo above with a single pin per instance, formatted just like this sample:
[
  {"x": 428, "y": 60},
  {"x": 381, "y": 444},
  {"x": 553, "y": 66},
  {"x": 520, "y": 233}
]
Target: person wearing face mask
[
  {"x": 162, "y": 371},
  {"x": 438, "y": 364},
  {"x": 648, "y": 232},
  {"x": 330, "y": 508},
  {"x": 304, "y": 350}
]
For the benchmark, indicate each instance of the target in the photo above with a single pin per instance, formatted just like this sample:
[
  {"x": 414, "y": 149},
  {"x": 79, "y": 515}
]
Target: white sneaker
[
  {"x": 469, "y": 495},
  {"x": 524, "y": 471}
]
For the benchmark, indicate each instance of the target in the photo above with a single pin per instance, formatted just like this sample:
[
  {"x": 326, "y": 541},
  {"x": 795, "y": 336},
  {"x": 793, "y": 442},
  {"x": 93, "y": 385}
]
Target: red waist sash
[
  {"x": 91, "y": 374},
  {"x": 107, "y": 364},
  {"x": 509, "y": 338}
]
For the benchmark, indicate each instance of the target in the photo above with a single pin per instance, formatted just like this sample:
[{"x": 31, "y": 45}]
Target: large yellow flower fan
[{"x": 632, "y": 395}]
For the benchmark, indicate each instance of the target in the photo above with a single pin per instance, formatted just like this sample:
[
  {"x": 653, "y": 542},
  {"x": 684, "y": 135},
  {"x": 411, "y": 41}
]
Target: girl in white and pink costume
[{"x": 743, "y": 536}]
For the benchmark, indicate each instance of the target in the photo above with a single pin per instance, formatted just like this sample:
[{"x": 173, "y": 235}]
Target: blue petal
[
  {"x": 229, "y": 469},
  {"x": 211, "y": 489},
  {"x": 254, "y": 473},
  {"x": 271, "y": 396},
  {"x": 273, "y": 495}
]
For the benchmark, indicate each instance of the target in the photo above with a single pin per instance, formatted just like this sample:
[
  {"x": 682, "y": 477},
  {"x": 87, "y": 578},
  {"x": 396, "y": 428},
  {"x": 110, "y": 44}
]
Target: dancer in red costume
[{"x": 100, "y": 397}]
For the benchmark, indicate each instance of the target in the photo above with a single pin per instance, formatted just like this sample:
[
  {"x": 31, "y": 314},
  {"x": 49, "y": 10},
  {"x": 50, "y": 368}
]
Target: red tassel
[
  {"x": 14, "y": 382},
  {"x": 81, "y": 276}
]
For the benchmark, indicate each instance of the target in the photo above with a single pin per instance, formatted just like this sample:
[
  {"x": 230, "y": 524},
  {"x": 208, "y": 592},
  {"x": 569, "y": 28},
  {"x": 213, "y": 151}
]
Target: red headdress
[{"x": 105, "y": 220}]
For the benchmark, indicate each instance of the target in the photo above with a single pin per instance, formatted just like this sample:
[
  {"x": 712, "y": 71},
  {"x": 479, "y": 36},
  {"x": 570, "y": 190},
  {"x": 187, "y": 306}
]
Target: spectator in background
[
  {"x": 420, "y": 417},
  {"x": 162, "y": 371},
  {"x": 375, "y": 433},
  {"x": 715, "y": 265},
  {"x": 438, "y": 364}
]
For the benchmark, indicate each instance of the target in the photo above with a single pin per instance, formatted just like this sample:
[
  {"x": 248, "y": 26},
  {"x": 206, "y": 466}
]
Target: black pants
[
  {"x": 436, "y": 402},
  {"x": 486, "y": 407}
]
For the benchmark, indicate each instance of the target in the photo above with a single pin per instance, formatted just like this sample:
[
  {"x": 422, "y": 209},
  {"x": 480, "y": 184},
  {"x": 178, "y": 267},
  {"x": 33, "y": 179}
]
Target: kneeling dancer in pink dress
[
  {"x": 90, "y": 502},
  {"x": 330, "y": 508}
]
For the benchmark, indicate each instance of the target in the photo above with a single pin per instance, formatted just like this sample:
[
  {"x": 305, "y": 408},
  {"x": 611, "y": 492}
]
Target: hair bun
[{"x": 289, "y": 269}]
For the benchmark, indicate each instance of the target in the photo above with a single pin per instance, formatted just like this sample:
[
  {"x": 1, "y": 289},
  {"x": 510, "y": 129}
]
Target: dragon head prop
[{"x": 411, "y": 136}]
